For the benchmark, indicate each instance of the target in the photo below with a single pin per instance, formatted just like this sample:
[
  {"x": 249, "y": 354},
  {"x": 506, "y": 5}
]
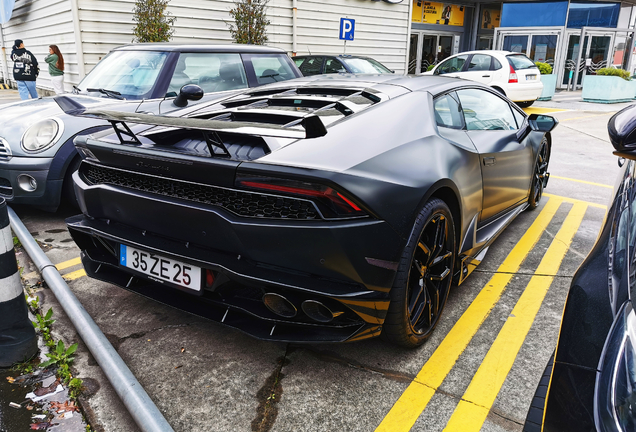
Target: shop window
[
  {"x": 593, "y": 15},
  {"x": 534, "y": 14},
  {"x": 490, "y": 17}
]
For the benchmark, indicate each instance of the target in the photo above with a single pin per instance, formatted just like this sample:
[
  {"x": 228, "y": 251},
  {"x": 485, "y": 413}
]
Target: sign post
[{"x": 347, "y": 30}]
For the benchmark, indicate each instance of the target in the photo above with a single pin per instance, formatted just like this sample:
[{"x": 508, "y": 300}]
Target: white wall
[
  {"x": 381, "y": 28},
  {"x": 40, "y": 23}
]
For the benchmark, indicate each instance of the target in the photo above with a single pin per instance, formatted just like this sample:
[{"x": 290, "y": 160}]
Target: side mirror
[
  {"x": 542, "y": 123},
  {"x": 622, "y": 132},
  {"x": 188, "y": 92}
]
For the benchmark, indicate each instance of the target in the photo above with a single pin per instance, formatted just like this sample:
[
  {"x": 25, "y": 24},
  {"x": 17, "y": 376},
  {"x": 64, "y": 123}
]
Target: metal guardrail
[{"x": 137, "y": 402}]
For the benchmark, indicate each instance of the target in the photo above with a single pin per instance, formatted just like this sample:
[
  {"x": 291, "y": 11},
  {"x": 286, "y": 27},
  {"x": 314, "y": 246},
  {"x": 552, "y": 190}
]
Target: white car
[{"x": 511, "y": 73}]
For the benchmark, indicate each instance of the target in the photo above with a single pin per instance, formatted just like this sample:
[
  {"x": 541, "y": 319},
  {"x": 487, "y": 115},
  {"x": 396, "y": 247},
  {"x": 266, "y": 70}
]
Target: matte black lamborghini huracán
[{"x": 321, "y": 209}]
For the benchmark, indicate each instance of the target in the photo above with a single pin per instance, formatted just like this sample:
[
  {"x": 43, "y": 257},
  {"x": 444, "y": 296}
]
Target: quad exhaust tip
[
  {"x": 279, "y": 305},
  {"x": 318, "y": 311}
]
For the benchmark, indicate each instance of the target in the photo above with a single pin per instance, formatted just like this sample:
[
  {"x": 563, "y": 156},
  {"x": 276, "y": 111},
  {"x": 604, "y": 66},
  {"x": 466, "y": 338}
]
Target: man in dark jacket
[{"x": 25, "y": 70}]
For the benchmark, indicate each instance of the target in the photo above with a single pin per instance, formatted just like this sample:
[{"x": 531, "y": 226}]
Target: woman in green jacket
[{"x": 56, "y": 68}]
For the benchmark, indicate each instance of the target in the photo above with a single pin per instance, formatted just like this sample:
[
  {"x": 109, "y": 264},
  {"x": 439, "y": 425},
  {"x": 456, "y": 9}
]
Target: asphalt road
[{"x": 478, "y": 371}]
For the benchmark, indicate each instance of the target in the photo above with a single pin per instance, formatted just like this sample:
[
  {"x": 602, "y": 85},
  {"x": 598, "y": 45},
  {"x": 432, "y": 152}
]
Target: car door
[
  {"x": 479, "y": 69},
  {"x": 506, "y": 163},
  {"x": 452, "y": 66}
]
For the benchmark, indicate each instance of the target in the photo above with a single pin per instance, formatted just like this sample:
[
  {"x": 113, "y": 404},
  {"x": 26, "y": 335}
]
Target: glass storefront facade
[{"x": 545, "y": 31}]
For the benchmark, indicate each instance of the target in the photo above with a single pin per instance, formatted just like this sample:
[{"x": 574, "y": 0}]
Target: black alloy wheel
[
  {"x": 540, "y": 175},
  {"x": 424, "y": 277}
]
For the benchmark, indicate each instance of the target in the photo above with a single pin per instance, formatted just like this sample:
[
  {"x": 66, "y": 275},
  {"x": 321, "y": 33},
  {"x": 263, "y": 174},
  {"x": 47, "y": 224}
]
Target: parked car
[
  {"x": 310, "y": 210},
  {"x": 592, "y": 376},
  {"x": 328, "y": 64},
  {"x": 510, "y": 73},
  {"x": 36, "y": 137}
]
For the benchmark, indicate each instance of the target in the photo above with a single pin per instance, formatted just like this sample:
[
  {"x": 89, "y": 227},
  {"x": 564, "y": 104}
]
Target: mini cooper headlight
[
  {"x": 615, "y": 401},
  {"x": 39, "y": 136}
]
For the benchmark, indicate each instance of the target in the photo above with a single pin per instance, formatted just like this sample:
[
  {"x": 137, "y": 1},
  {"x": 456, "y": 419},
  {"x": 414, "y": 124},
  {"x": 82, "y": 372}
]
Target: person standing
[
  {"x": 56, "y": 68},
  {"x": 25, "y": 70}
]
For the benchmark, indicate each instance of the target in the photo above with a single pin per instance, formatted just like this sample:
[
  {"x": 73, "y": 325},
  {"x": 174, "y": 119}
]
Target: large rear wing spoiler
[{"x": 305, "y": 126}]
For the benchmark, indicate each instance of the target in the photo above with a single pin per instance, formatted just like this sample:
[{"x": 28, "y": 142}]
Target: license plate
[
  {"x": 531, "y": 77},
  {"x": 161, "y": 269}
]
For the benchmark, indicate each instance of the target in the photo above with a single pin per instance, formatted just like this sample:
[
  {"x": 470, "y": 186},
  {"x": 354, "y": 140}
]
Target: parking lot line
[
  {"x": 74, "y": 275},
  {"x": 574, "y": 201},
  {"x": 582, "y": 181},
  {"x": 417, "y": 395},
  {"x": 536, "y": 110},
  {"x": 69, "y": 263},
  {"x": 472, "y": 410}
]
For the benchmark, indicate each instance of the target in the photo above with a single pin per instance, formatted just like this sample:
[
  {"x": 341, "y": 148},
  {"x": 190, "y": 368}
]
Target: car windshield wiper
[
  {"x": 76, "y": 90},
  {"x": 109, "y": 93},
  {"x": 271, "y": 76}
]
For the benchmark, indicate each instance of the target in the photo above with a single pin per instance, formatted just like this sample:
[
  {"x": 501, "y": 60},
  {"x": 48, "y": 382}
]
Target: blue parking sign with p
[{"x": 347, "y": 28}]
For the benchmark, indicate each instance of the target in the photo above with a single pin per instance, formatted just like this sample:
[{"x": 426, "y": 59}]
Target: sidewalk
[{"x": 572, "y": 100}]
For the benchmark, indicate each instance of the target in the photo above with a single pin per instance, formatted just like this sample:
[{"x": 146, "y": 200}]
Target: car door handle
[
  {"x": 489, "y": 161},
  {"x": 485, "y": 76}
]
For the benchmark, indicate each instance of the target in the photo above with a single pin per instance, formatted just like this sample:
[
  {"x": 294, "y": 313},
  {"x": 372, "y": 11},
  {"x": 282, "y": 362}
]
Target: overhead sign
[
  {"x": 490, "y": 18},
  {"x": 438, "y": 13},
  {"x": 347, "y": 29}
]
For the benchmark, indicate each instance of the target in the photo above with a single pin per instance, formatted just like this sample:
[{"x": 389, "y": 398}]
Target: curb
[
  {"x": 17, "y": 335},
  {"x": 4, "y": 87}
]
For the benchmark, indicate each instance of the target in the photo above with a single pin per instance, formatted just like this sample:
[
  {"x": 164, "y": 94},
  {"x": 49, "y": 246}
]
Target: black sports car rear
[{"x": 326, "y": 209}]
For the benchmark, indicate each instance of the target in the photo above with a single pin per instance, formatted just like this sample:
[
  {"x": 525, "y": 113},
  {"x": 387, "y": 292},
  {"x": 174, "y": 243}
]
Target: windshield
[
  {"x": 271, "y": 68},
  {"x": 131, "y": 73},
  {"x": 365, "y": 65},
  {"x": 519, "y": 61}
]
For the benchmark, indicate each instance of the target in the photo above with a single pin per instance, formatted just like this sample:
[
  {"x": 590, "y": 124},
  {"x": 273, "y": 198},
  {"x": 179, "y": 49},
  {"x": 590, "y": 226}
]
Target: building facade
[
  {"x": 86, "y": 30},
  {"x": 405, "y": 35}
]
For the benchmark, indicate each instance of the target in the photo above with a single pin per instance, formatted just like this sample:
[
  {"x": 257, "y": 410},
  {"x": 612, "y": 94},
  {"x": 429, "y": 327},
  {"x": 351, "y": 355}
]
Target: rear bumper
[
  {"x": 301, "y": 260},
  {"x": 524, "y": 92}
]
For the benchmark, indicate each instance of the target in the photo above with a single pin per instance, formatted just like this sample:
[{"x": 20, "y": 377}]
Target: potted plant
[
  {"x": 609, "y": 85},
  {"x": 548, "y": 79}
]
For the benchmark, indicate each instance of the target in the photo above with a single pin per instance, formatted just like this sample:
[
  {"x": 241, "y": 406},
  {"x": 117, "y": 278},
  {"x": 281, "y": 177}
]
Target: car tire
[
  {"x": 500, "y": 90},
  {"x": 525, "y": 104},
  {"x": 68, "y": 191},
  {"x": 540, "y": 174},
  {"x": 424, "y": 277},
  {"x": 534, "y": 418}
]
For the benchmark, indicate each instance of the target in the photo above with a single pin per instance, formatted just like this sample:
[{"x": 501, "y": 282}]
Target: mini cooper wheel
[
  {"x": 423, "y": 279},
  {"x": 540, "y": 175}
]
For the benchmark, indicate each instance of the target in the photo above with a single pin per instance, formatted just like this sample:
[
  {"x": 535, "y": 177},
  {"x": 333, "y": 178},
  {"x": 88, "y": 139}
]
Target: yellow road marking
[
  {"x": 60, "y": 266},
  {"x": 74, "y": 275},
  {"x": 582, "y": 181},
  {"x": 472, "y": 410},
  {"x": 583, "y": 117},
  {"x": 69, "y": 263},
  {"x": 574, "y": 200},
  {"x": 537, "y": 110},
  {"x": 413, "y": 401}
]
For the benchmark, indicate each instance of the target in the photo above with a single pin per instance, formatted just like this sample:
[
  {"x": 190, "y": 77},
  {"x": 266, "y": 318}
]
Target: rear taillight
[
  {"x": 512, "y": 78},
  {"x": 332, "y": 204}
]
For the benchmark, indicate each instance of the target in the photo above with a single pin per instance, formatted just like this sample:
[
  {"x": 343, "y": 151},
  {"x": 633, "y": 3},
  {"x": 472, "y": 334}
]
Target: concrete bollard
[{"x": 17, "y": 335}]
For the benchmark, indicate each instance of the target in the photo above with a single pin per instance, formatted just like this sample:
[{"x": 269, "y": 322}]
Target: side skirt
[{"x": 484, "y": 237}]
